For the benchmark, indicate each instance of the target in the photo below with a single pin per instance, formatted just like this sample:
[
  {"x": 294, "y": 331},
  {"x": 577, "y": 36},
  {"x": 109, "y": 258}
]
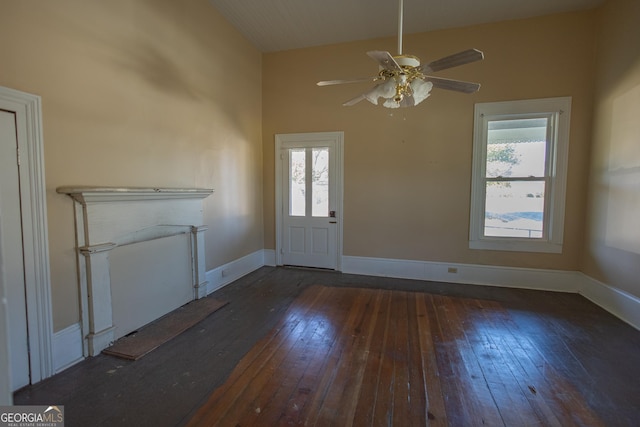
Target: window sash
[
  {"x": 546, "y": 179},
  {"x": 544, "y": 231}
]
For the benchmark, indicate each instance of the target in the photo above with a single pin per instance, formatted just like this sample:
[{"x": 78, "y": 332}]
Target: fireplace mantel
[
  {"x": 108, "y": 217},
  {"x": 85, "y": 194}
]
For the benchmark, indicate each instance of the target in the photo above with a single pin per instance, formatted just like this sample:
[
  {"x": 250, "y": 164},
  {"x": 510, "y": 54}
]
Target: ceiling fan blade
[
  {"x": 455, "y": 60},
  {"x": 449, "y": 84},
  {"x": 344, "y": 81},
  {"x": 372, "y": 95},
  {"x": 385, "y": 59},
  {"x": 354, "y": 101}
]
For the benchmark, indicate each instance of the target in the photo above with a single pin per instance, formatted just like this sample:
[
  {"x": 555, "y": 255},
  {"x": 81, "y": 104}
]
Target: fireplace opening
[{"x": 148, "y": 280}]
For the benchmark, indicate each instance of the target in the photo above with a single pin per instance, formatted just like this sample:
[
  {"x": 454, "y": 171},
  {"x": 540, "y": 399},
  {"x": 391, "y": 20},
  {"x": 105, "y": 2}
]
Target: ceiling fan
[{"x": 403, "y": 81}]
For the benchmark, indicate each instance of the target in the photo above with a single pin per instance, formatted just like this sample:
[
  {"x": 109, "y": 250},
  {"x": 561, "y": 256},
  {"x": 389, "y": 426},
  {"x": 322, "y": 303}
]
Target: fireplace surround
[{"x": 109, "y": 217}]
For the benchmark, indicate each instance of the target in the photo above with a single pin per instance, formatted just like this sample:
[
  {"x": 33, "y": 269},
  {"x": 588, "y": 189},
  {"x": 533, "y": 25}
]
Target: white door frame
[
  {"x": 280, "y": 139},
  {"x": 28, "y": 110}
]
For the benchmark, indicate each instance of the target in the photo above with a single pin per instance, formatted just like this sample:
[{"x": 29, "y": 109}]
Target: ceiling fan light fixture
[{"x": 406, "y": 94}]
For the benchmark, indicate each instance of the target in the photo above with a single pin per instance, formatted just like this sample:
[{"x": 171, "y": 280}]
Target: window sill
[{"x": 516, "y": 245}]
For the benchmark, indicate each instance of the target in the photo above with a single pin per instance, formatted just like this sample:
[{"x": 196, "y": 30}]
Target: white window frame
[{"x": 558, "y": 111}]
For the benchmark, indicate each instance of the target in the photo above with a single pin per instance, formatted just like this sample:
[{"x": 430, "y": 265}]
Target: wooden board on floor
[{"x": 148, "y": 338}]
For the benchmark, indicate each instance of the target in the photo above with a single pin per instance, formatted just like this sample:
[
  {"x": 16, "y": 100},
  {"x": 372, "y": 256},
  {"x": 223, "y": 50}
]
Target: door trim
[
  {"x": 280, "y": 141},
  {"x": 28, "y": 110}
]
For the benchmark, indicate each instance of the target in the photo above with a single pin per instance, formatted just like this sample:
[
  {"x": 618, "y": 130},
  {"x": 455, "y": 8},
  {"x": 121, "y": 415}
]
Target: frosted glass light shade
[
  {"x": 383, "y": 90},
  {"x": 421, "y": 90}
]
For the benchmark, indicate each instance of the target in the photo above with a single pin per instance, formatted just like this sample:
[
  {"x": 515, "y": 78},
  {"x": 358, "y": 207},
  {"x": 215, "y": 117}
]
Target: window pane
[
  {"x": 297, "y": 172},
  {"x": 320, "y": 182},
  {"x": 516, "y": 148},
  {"x": 514, "y": 209}
]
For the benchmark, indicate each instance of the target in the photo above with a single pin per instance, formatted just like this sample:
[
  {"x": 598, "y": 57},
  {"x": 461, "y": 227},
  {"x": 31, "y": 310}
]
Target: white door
[
  {"x": 11, "y": 241},
  {"x": 310, "y": 202}
]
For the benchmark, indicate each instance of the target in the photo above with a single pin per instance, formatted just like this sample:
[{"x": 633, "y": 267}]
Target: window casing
[{"x": 520, "y": 153}]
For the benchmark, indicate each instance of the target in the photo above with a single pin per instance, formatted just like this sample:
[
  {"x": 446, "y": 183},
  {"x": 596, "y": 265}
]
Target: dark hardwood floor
[{"x": 331, "y": 348}]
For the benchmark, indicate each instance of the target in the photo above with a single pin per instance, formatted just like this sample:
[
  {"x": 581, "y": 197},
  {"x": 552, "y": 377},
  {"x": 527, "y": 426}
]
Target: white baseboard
[
  {"x": 227, "y": 273},
  {"x": 270, "y": 257},
  {"x": 67, "y": 348},
  {"x": 617, "y": 302},
  {"x": 473, "y": 274}
]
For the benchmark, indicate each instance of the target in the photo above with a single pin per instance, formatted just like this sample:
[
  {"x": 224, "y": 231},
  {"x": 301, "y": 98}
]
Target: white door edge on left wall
[
  {"x": 13, "y": 260},
  {"x": 5, "y": 367},
  {"x": 33, "y": 212}
]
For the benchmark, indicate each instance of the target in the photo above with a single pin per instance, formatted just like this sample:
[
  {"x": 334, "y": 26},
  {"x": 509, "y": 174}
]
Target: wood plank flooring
[
  {"x": 336, "y": 348},
  {"x": 380, "y": 357}
]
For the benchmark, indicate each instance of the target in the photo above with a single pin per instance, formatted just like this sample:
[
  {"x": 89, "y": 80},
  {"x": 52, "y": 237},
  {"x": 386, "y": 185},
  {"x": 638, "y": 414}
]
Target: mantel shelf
[{"x": 87, "y": 194}]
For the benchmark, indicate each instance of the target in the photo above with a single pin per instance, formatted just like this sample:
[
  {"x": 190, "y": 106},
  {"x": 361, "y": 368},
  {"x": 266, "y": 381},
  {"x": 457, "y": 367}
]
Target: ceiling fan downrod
[{"x": 400, "y": 16}]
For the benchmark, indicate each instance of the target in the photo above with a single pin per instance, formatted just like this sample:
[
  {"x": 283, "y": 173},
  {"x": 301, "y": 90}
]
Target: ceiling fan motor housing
[{"x": 407, "y": 61}]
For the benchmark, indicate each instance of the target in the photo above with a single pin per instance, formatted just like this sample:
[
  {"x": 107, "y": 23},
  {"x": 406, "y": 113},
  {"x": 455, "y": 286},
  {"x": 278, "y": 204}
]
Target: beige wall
[
  {"x": 140, "y": 93},
  {"x": 612, "y": 254},
  {"x": 165, "y": 93},
  {"x": 408, "y": 175}
]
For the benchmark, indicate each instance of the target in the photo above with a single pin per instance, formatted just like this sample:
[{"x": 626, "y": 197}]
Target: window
[
  {"x": 309, "y": 165},
  {"x": 519, "y": 175}
]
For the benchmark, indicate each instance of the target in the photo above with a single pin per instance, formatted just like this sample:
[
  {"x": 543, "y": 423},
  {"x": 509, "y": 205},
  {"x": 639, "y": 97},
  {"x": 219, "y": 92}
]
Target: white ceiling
[{"x": 274, "y": 25}]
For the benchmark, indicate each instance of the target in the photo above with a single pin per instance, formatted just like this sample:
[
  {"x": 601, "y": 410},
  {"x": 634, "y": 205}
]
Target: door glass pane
[
  {"x": 514, "y": 209},
  {"x": 516, "y": 148},
  {"x": 297, "y": 172},
  {"x": 320, "y": 182}
]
